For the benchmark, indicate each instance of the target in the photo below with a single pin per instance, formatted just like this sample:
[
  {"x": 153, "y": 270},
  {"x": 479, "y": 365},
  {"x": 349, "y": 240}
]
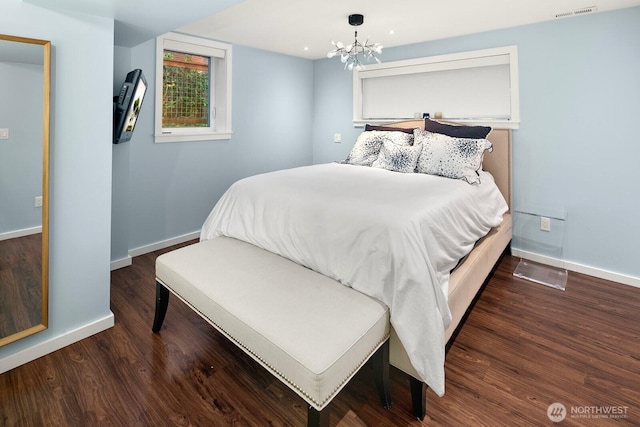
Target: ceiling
[
  {"x": 137, "y": 21},
  {"x": 288, "y": 26},
  {"x": 305, "y": 28}
]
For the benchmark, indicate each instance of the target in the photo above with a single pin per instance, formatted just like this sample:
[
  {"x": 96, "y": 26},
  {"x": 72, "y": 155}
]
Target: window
[
  {"x": 479, "y": 86},
  {"x": 193, "y": 89},
  {"x": 185, "y": 90}
]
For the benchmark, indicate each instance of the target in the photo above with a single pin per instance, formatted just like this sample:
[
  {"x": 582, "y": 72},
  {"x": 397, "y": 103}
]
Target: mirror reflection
[{"x": 24, "y": 182}]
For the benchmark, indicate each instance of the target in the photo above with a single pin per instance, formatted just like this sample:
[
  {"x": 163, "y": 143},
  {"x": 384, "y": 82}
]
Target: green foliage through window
[{"x": 185, "y": 93}]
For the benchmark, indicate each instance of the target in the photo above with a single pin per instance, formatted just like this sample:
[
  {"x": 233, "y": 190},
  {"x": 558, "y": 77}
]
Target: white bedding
[{"x": 390, "y": 235}]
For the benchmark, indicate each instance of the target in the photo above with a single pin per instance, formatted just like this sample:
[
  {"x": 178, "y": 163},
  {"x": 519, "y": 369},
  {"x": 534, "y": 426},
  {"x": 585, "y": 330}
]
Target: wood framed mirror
[{"x": 25, "y": 82}]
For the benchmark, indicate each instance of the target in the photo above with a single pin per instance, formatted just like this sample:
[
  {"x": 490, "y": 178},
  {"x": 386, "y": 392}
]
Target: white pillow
[
  {"x": 458, "y": 158},
  {"x": 398, "y": 157},
  {"x": 368, "y": 145}
]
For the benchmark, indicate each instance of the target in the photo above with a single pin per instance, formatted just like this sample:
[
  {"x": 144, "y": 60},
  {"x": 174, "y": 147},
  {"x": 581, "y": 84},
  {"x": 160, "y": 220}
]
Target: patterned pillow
[
  {"x": 368, "y": 145},
  {"x": 458, "y": 158},
  {"x": 398, "y": 157}
]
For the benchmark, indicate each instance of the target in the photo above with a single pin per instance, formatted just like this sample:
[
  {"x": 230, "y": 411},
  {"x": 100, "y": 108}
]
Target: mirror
[{"x": 25, "y": 77}]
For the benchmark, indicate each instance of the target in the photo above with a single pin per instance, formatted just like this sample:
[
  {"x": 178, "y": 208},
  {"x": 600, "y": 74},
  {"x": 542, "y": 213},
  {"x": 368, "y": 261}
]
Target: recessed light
[
  {"x": 306, "y": 48},
  {"x": 392, "y": 32}
]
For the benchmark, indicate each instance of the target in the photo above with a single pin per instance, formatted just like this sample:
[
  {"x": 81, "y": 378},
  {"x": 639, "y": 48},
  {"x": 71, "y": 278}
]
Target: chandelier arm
[{"x": 353, "y": 55}]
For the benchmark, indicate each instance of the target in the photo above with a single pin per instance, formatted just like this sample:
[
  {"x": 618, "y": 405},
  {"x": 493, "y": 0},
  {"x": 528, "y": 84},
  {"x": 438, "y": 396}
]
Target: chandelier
[{"x": 353, "y": 55}]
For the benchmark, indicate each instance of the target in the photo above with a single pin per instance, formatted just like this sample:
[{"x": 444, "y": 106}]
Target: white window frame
[
  {"x": 478, "y": 58},
  {"x": 219, "y": 88}
]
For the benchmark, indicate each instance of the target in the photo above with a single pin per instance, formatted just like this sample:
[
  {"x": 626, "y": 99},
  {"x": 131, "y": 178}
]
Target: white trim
[
  {"x": 454, "y": 61},
  {"x": 164, "y": 244},
  {"x": 20, "y": 233},
  {"x": 179, "y": 43},
  {"x": 470, "y": 59},
  {"x": 121, "y": 263},
  {"x": 127, "y": 261},
  {"x": 219, "y": 88},
  {"x": 578, "y": 268},
  {"x": 168, "y": 136},
  {"x": 56, "y": 343}
]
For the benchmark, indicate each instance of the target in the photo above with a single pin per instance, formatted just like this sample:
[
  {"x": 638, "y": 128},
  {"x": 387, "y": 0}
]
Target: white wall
[{"x": 80, "y": 210}]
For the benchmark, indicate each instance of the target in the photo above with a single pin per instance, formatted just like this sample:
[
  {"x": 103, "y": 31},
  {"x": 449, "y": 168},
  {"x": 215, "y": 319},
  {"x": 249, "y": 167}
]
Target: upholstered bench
[{"x": 308, "y": 330}]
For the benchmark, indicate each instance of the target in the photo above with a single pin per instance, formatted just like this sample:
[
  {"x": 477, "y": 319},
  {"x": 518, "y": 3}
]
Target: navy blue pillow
[
  {"x": 471, "y": 132},
  {"x": 369, "y": 127}
]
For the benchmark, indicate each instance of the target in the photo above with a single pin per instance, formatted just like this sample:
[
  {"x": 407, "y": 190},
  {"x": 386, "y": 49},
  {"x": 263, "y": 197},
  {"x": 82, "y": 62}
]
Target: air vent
[
  {"x": 585, "y": 10},
  {"x": 577, "y": 12},
  {"x": 564, "y": 14}
]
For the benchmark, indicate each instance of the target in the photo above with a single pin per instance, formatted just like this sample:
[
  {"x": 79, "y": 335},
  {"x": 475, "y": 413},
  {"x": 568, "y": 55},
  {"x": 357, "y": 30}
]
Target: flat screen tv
[{"x": 127, "y": 105}]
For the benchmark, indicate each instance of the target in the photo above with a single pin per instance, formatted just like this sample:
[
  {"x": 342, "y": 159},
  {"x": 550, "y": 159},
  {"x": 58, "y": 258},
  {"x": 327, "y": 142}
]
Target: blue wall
[
  {"x": 573, "y": 155},
  {"x": 166, "y": 190},
  {"x": 21, "y": 154},
  {"x": 579, "y": 95},
  {"x": 80, "y": 182},
  {"x": 577, "y": 79},
  {"x": 121, "y": 166}
]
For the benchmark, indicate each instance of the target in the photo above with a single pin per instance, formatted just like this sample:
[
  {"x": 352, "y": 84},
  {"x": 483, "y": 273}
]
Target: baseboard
[
  {"x": 20, "y": 233},
  {"x": 164, "y": 244},
  {"x": 56, "y": 343},
  {"x": 578, "y": 268},
  {"x": 121, "y": 263}
]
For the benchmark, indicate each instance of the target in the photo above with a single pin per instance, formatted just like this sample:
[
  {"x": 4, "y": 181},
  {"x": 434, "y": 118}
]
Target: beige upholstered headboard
[{"x": 498, "y": 162}]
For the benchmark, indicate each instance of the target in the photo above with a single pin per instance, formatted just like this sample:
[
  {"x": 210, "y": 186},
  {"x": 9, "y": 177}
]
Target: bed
[{"x": 402, "y": 238}]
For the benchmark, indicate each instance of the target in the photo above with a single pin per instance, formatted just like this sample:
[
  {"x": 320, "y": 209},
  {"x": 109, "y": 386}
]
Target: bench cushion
[{"x": 312, "y": 332}]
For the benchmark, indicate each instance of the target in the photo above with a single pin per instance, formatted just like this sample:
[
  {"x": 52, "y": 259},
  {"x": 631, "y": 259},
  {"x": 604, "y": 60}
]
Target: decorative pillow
[
  {"x": 458, "y": 158},
  {"x": 475, "y": 132},
  {"x": 369, "y": 127},
  {"x": 365, "y": 150},
  {"x": 398, "y": 157}
]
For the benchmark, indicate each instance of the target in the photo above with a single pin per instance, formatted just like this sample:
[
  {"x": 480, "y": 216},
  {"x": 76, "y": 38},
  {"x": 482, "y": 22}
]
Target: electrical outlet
[
  {"x": 4, "y": 133},
  {"x": 545, "y": 223},
  {"x": 337, "y": 138},
  {"x": 38, "y": 202}
]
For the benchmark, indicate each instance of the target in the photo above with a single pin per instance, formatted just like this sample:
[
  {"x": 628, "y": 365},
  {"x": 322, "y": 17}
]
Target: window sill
[{"x": 183, "y": 137}]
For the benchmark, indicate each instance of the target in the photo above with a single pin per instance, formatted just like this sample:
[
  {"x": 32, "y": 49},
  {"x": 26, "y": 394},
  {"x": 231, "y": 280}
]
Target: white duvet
[{"x": 390, "y": 235}]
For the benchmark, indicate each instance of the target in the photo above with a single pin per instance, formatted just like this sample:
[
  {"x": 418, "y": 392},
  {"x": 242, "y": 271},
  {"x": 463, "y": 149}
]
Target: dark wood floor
[
  {"x": 20, "y": 284},
  {"x": 523, "y": 347}
]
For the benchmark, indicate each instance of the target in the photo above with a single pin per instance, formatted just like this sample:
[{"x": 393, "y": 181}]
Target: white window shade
[
  {"x": 478, "y": 86},
  {"x": 459, "y": 94}
]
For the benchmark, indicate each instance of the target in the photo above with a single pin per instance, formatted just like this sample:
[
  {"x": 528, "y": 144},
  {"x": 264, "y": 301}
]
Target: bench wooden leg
[
  {"x": 380, "y": 361},
  {"x": 162, "y": 302},
  {"x": 418, "y": 397},
  {"x": 317, "y": 418}
]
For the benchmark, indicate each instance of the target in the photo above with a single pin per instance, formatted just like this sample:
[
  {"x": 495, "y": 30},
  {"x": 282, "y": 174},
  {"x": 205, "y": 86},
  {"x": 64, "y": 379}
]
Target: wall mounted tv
[{"x": 127, "y": 105}]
